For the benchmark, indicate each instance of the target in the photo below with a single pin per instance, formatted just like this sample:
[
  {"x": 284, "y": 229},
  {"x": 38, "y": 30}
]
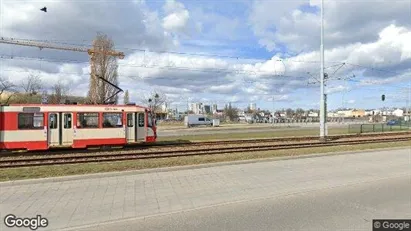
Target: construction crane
[
  {"x": 42, "y": 45},
  {"x": 92, "y": 52}
]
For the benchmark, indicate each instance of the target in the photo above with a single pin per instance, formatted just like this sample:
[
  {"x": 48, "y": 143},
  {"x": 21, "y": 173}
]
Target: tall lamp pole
[
  {"x": 407, "y": 108},
  {"x": 323, "y": 132}
]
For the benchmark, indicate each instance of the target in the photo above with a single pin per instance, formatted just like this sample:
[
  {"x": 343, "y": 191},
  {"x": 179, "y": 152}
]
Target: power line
[
  {"x": 146, "y": 50},
  {"x": 131, "y": 76},
  {"x": 374, "y": 69},
  {"x": 169, "y": 67},
  {"x": 205, "y": 70}
]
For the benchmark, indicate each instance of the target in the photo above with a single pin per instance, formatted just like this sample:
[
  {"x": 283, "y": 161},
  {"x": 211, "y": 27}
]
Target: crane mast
[{"x": 92, "y": 52}]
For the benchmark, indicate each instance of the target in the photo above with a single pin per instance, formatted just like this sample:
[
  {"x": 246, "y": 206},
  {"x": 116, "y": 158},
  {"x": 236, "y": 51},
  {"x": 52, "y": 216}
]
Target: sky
[{"x": 220, "y": 51}]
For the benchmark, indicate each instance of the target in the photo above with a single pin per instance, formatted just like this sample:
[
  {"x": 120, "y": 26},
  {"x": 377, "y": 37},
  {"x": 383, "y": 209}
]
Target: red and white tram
[{"x": 46, "y": 126}]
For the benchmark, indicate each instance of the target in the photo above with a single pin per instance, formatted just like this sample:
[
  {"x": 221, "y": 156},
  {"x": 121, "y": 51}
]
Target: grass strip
[{"x": 251, "y": 135}]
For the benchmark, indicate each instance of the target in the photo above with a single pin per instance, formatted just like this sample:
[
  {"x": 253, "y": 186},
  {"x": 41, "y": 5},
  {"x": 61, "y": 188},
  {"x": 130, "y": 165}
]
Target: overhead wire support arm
[{"x": 111, "y": 84}]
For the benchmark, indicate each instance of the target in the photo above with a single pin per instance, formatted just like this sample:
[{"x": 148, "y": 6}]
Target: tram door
[
  {"x": 60, "y": 132},
  {"x": 140, "y": 129},
  {"x": 130, "y": 133}
]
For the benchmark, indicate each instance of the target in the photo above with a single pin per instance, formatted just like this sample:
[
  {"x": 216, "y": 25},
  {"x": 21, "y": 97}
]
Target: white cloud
[
  {"x": 284, "y": 22},
  {"x": 177, "y": 16},
  {"x": 127, "y": 23},
  {"x": 176, "y": 21},
  {"x": 188, "y": 74},
  {"x": 385, "y": 45},
  {"x": 335, "y": 89}
]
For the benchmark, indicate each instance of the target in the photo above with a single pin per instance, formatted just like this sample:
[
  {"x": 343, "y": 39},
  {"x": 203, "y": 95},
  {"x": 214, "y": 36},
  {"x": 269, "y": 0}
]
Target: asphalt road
[
  {"x": 343, "y": 208},
  {"x": 342, "y": 192}
]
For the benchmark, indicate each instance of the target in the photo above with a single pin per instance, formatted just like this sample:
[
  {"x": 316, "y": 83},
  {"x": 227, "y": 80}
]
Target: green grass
[
  {"x": 75, "y": 169},
  {"x": 250, "y": 135}
]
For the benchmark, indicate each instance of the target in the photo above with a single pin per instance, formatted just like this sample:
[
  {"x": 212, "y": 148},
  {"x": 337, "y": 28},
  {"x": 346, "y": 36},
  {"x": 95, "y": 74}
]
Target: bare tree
[
  {"x": 31, "y": 85},
  {"x": 126, "y": 97},
  {"x": 6, "y": 90},
  {"x": 289, "y": 112},
  {"x": 155, "y": 100},
  {"x": 300, "y": 112},
  {"x": 231, "y": 112},
  {"x": 105, "y": 66},
  {"x": 60, "y": 92}
]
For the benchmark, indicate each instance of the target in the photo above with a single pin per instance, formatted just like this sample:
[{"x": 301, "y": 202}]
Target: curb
[{"x": 186, "y": 167}]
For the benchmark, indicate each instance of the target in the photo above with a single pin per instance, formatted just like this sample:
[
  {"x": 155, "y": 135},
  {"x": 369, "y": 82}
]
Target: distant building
[
  {"x": 352, "y": 113},
  {"x": 197, "y": 108},
  {"x": 312, "y": 114},
  {"x": 164, "y": 107},
  {"x": 207, "y": 109},
  {"x": 253, "y": 106},
  {"x": 219, "y": 113},
  {"x": 332, "y": 114},
  {"x": 398, "y": 113},
  {"x": 358, "y": 113},
  {"x": 369, "y": 112},
  {"x": 192, "y": 106},
  {"x": 214, "y": 108}
]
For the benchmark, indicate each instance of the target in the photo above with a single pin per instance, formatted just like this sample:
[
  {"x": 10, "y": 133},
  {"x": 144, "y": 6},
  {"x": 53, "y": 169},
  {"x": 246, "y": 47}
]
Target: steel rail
[
  {"x": 13, "y": 163},
  {"x": 193, "y": 144}
]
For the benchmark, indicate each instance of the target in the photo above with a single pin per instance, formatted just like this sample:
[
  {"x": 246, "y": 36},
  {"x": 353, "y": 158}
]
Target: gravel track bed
[
  {"x": 236, "y": 149},
  {"x": 205, "y": 147}
]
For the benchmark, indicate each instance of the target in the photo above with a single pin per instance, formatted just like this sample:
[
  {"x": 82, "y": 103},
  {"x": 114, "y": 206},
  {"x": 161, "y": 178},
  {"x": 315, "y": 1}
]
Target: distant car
[
  {"x": 393, "y": 122},
  {"x": 195, "y": 120}
]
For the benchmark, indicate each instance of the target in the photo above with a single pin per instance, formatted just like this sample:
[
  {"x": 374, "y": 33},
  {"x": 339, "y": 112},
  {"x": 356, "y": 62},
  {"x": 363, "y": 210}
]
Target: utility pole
[
  {"x": 323, "y": 132},
  {"x": 407, "y": 109}
]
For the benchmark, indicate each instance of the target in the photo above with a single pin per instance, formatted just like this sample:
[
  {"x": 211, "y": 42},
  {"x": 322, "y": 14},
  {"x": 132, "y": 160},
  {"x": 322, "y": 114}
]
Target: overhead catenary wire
[
  {"x": 168, "y": 67},
  {"x": 149, "y": 50},
  {"x": 206, "y": 69},
  {"x": 146, "y": 50}
]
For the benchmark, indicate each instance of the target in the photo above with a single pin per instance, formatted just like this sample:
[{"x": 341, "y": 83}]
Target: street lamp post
[
  {"x": 407, "y": 109},
  {"x": 323, "y": 132}
]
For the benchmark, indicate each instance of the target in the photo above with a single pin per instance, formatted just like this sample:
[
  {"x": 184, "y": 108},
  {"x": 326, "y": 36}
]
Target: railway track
[
  {"x": 138, "y": 154},
  {"x": 189, "y": 144}
]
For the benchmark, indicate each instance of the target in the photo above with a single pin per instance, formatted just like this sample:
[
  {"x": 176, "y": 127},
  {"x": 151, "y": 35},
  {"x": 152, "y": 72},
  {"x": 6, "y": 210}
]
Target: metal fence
[{"x": 367, "y": 128}]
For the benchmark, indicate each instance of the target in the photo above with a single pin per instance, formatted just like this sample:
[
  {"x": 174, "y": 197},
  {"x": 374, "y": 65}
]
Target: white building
[
  {"x": 164, "y": 107},
  {"x": 197, "y": 108},
  {"x": 398, "y": 112},
  {"x": 332, "y": 114},
  {"x": 313, "y": 114},
  {"x": 345, "y": 113},
  {"x": 368, "y": 112},
  {"x": 253, "y": 106},
  {"x": 214, "y": 108},
  {"x": 377, "y": 112}
]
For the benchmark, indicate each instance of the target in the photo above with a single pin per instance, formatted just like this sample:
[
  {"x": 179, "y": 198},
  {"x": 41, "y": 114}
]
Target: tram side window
[
  {"x": 53, "y": 121},
  {"x": 141, "y": 120},
  {"x": 87, "y": 120},
  {"x": 112, "y": 120},
  {"x": 30, "y": 120},
  {"x": 129, "y": 120},
  {"x": 67, "y": 120}
]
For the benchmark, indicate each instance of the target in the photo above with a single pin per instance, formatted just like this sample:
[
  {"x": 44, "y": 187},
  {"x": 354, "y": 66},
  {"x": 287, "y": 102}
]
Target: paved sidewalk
[{"x": 97, "y": 200}]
